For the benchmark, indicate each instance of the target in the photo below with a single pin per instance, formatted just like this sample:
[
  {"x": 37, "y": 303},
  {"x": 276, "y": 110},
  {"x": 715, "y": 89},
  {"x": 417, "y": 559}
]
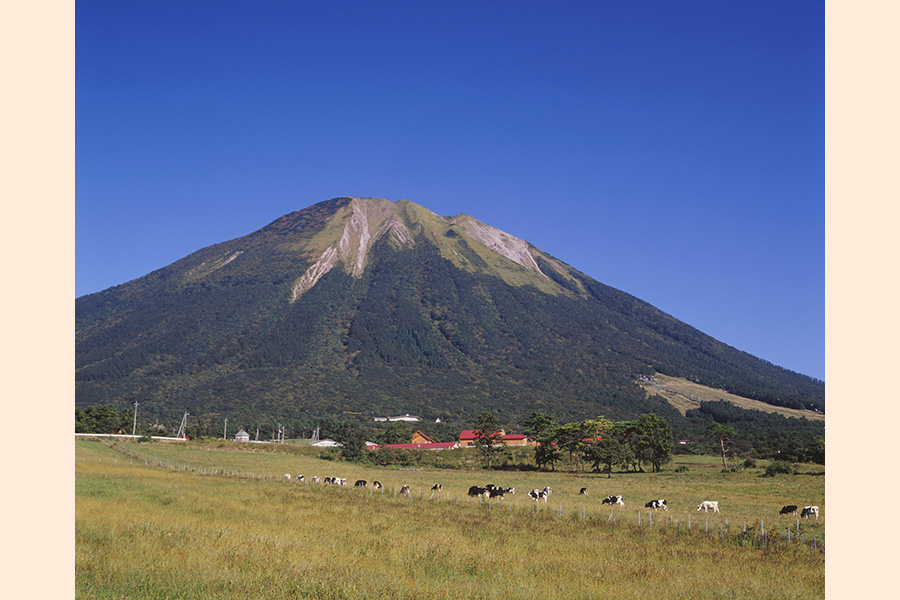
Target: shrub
[
  {"x": 749, "y": 464},
  {"x": 682, "y": 469},
  {"x": 779, "y": 467}
]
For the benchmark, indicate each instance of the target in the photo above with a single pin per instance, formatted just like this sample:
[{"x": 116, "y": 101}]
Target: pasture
[{"x": 144, "y": 531}]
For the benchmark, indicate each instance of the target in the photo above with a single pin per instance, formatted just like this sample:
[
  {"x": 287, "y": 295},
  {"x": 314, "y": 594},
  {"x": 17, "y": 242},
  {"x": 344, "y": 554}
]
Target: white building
[{"x": 242, "y": 436}]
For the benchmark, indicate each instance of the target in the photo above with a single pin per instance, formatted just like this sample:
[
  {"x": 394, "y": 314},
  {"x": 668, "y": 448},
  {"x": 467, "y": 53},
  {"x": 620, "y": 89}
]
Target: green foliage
[
  {"x": 779, "y": 467},
  {"x": 488, "y": 438}
]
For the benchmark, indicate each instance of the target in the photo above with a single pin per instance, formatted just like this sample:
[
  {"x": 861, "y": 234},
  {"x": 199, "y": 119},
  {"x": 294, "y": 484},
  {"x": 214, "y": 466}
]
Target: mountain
[{"x": 378, "y": 307}]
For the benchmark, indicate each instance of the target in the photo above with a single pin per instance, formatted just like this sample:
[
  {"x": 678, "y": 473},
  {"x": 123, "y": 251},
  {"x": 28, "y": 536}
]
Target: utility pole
[
  {"x": 134, "y": 425},
  {"x": 225, "y": 435}
]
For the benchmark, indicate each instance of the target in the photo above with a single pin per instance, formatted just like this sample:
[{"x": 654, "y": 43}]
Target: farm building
[
  {"x": 467, "y": 438},
  {"x": 242, "y": 436},
  {"x": 420, "y": 438}
]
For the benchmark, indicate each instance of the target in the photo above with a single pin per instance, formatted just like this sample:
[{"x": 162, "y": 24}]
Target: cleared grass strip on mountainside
[
  {"x": 147, "y": 532},
  {"x": 686, "y": 395}
]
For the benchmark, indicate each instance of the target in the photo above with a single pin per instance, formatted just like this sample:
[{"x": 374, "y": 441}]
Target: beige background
[{"x": 37, "y": 167}]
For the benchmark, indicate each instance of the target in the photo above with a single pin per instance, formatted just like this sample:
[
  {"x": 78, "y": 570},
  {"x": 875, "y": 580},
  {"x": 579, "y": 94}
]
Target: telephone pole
[
  {"x": 134, "y": 425},
  {"x": 225, "y": 435}
]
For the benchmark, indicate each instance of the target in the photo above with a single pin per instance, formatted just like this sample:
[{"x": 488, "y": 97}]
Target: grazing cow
[
  {"x": 315, "y": 479},
  {"x": 287, "y": 477},
  {"x": 707, "y": 504},
  {"x": 788, "y": 509},
  {"x": 476, "y": 490},
  {"x": 404, "y": 491},
  {"x": 361, "y": 483},
  {"x": 509, "y": 490},
  {"x": 657, "y": 504},
  {"x": 810, "y": 510},
  {"x": 376, "y": 485},
  {"x": 301, "y": 478},
  {"x": 435, "y": 489},
  {"x": 496, "y": 493},
  {"x": 328, "y": 480},
  {"x": 613, "y": 500},
  {"x": 583, "y": 492},
  {"x": 339, "y": 480},
  {"x": 539, "y": 495}
]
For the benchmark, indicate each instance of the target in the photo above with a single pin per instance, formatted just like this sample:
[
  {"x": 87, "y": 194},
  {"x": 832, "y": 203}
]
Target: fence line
[{"x": 760, "y": 541}]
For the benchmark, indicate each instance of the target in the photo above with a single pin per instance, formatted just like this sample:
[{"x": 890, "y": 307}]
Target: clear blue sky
[{"x": 673, "y": 150}]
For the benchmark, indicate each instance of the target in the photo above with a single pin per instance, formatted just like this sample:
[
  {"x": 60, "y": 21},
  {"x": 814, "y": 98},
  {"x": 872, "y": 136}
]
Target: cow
[
  {"x": 287, "y": 477},
  {"x": 300, "y": 478},
  {"x": 478, "y": 491},
  {"x": 376, "y": 485},
  {"x": 361, "y": 483},
  {"x": 582, "y": 492},
  {"x": 404, "y": 491},
  {"x": 339, "y": 481},
  {"x": 788, "y": 509},
  {"x": 657, "y": 504},
  {"x": 328, "y": 480},
  {"x": 613, "y": 500},
  {"x": 539, "y": 495},
  {"x": 707, "y": 504},
  {"x": 496, "y": 493},
  {"x": 509, "y": 490},
  {"x": 810, "y": 510},
  {"x": 435, "y": 489},
  {"x": 315, "y": 479}
]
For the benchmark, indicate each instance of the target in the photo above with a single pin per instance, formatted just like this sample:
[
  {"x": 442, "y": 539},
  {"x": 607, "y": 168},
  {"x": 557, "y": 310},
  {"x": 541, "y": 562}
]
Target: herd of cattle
[{"x": 492, "y": 491}]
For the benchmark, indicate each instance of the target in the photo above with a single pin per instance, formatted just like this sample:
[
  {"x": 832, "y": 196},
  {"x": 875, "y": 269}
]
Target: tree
[
  {"x": 353, "y": 440},
  {"x": 608, "y": 452},
  {"x": 722, "y": 432},
  {"x": 397, "y": 432},
  {"x": 542, "y": 427},
  {"x": 488, "y": 438},
  {"x": 654, "y": 441}
]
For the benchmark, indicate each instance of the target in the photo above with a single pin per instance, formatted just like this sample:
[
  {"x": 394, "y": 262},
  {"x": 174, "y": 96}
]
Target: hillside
[
  {"x": 686, "y": 395},
  {"x": 379, "y": 307}
]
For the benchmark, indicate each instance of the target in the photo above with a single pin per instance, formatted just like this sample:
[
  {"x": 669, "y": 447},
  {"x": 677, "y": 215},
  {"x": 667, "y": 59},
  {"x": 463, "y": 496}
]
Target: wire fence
[{"x": 754, "y": 535}]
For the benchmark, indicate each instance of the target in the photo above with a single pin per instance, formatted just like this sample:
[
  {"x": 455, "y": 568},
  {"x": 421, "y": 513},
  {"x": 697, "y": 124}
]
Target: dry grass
[
  {"x": 148, "y": 532},
  {"x": 686, "y": 395}
]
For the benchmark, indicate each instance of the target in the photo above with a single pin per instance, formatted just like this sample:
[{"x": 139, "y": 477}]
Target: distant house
[
  {"x": 326, "y": 443},
  {"x": 467, "y": 438},
  {"x": 420, "y": 438},
  {"x": 407, "y": 417},
  {"x": 242, "y": 436}
]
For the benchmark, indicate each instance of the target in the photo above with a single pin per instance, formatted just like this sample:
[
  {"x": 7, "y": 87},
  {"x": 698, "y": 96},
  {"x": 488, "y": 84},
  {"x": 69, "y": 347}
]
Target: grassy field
[{"x": 146, "y": 531}]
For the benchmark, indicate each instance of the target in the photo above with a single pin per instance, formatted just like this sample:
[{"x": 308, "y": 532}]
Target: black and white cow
[
  {"x": 287, "y": 477},
  {"x": 709, "y": 504},
  {"x": 404, "y": 491},
  {"x": 496, "y": 492},
  {"x": 788, "y": 509},
  {"x": 657, "y": 504},
  {"x": 810, "y": 510},
  {"x": 315, "y": 479},
  {"x": 361, "y": 483},
  {"x": 435, "y": 489},
  {"x": 613, "y": 500},
  {"x": 582, "y": 492},
  {"x": 339, "y": 480},
  {"x": 509, "y": 490},
  {"x": 477, "y": 490},
  {"x": 539, "y": 495},
  {"x": 300, "y": 478},
  {"x": 376, "y": 485}
]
